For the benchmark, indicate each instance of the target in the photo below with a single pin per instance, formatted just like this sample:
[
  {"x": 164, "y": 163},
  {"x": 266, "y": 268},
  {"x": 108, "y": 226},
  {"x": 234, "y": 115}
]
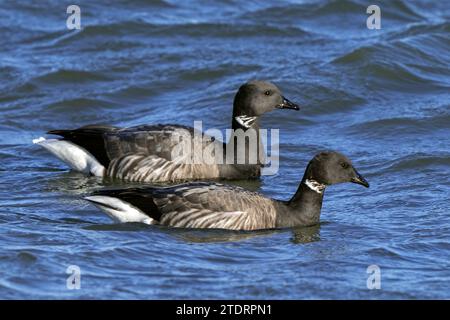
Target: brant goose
[
  {"x": 151, "y": 153},
  {"x": 212, "y": 205}
]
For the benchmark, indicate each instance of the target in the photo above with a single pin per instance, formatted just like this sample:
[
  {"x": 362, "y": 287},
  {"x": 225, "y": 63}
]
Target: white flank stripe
[
  {"x": 73, "y": 155},
  {"x": 119, "y": 210}
]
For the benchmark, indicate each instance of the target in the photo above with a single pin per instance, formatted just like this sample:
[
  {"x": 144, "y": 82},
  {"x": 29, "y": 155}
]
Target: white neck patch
[
  {"x": 245, "y": 121},
  {"x": 315, "y": 186}
]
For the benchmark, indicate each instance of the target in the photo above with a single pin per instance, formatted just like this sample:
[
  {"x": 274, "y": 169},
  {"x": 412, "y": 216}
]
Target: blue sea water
[{"x": 380, "y": 96}]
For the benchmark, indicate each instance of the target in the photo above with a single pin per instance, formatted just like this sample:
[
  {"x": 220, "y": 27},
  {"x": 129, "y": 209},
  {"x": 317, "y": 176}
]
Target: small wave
[
  {"x": 395, "y": 10},
  {"x": 69, "y": 76},
  {"x": 152, "y": 4},
  {"x": 384, "y": 53},
  {"x": 26, "y": 257},
  {"x": 327, "y": 100},
  {"x": 398, "y": 77},
  {"x": 308, "y": 9},
  {"x": 357, "y": 55},
  {"x": 421, "y": 28},
  {"x": 401, "y": 10},
  {"x": 402, "y": 47},
  {"x": 202, "y": 29},
  {"x": 118, "y": 227},
  {"x": 337, "y": 7},
  {"x": 208, "y": 74},
  {"x": 229, "y": 30},
  {"x": 396, "y": 126},
  {"x": 417, "y": 161},
  {"x": 410, "y": 60},
  {"x": 217, "y": 235},
  {"x": 380, "y": 66},
  {"x": 384, "y": 253},
  {"x": 70, "y": 105}
]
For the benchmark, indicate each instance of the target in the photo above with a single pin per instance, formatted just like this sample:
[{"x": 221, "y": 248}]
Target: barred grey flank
[
  {"x": 255, "y": 211},
  {"x": 142, "y": 168}
]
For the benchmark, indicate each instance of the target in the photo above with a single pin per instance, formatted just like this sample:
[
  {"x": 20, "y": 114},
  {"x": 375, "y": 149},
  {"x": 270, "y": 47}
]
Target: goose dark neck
[
  {"x": 241, "y": 148},
  {"x": 305, "y": 195},
  {"x": 243, "y": 117},
  {"x": 304, "y": 207}
]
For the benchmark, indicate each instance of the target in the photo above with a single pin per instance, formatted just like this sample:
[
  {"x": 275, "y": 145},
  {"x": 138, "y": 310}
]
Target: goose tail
[
  {"x": 76, "y": 157},
  {"x": 118, "y": 209}
]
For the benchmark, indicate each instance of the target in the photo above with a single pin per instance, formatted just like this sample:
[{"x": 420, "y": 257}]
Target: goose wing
[
  {"x": 107, "y": 143},
  {"x": 165, "y": 141},
  {"x": 201, "y": 205},
  {"x": 90, "y": 138}
]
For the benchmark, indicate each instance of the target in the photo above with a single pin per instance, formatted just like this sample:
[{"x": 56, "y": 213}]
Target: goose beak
[
  {"x": 359, "y": 179},
  {"x": 286, "y": 104}
]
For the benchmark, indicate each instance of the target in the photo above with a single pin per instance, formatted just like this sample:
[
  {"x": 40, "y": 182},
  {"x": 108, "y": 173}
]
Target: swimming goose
[
  {"x": 212, "y": 205},
  {"x": 164, "y": 153}
]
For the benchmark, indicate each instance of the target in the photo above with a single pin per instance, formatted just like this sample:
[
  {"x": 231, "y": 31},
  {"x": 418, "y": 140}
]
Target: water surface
[{"x": 379, "y": 96}]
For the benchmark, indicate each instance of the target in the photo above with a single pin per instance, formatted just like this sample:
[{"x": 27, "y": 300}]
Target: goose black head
[
  {"x": 255, "y": 98},
  {"x": 331, "y": 167}
]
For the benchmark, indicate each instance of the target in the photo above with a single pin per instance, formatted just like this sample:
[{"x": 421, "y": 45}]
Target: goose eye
[
  {"x": 344, "y": 165},
  {"x": 268, "y": 93}
]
